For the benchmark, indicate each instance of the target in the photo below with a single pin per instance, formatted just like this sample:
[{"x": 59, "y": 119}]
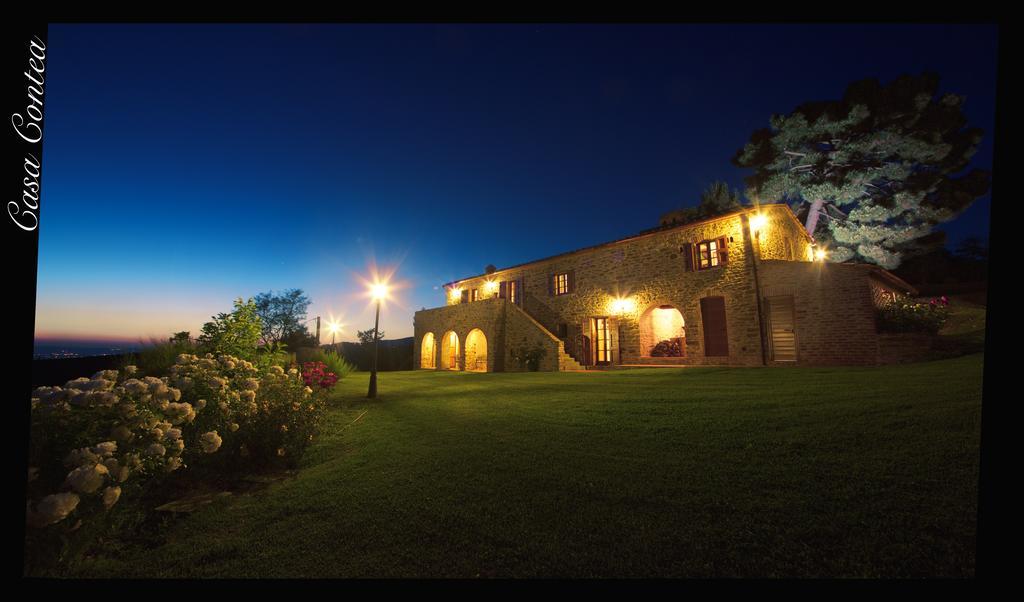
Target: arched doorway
[
  {"x": 428, "y": 354},
  {"x": 476, "y": 351},
  {"x": 662, "y": 332},
  {"x": 450, "y": 351}
]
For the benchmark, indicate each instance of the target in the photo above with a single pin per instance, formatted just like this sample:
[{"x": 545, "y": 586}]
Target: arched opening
[
  {"x": 476, "y": 351},
  {"x": 662, "y": 332},
  {"x": 450, "y": 351},
  {"x": 428, "y": 355}
]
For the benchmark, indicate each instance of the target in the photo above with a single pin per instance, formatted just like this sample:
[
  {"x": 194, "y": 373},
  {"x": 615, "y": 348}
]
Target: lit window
[
  {"x": 561, "y": 283},
  {"x": 512, "y": 291},
  {"x": 707, "y": 254},
  {"x": 474, "y": 295}
]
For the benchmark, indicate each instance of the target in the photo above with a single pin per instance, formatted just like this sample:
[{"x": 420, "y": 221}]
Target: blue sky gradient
[{"x": 186, "y": 165}]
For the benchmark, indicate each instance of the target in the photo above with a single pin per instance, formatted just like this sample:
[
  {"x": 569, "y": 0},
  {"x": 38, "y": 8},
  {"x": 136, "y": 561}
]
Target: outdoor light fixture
[
  {"x": 334, "y": 328},
  {"x": 623, "y": 305},
  {"x": 379, "y": 292},
  {"x": 491, "y": 286},
  {"x": 455, "y": 293},
  {"x": 820, "y": 254},
  {"x": 757, "y": 221}
]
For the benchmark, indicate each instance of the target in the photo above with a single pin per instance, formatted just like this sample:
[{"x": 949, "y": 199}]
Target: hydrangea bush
[
  {"x": 96, "y": 439},
  {"x": 906, "y": 315}
]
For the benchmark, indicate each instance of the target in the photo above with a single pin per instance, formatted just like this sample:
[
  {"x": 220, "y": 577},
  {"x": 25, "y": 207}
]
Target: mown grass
[{"x": 859, "y": 472}]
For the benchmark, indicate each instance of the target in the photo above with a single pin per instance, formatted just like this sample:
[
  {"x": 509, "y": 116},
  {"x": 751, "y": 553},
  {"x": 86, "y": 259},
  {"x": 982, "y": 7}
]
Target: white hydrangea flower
[
  {"x": 179, "y": 444},
  {"x": 156, "y": 449},
  {"x": 105, "y": 449},
  {"x": 233, "y": 427},
  {"x": 121, "y": 433},
  {"x": 251, "y": 384},
  {"x": 117, "y": 472},
  {"x": 173, "y": 434},
  {"x": 210, "y": 442},
  {"x": 86, "y": 479},
  {"x": 135, "y": 386},
  {"x": 129, "y": 370},
  {"x": 52, "y": 509},
  {"x": 110, "y": 496},
  {"x": 81, "y": 457},
  {"x": 248, "y": 395},
  {"x": 78, "y": 383},
  {"x": 174, "y": 464}
]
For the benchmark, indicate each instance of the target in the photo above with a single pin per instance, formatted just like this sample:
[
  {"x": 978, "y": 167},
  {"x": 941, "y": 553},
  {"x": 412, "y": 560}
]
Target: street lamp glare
[{"x": 379, "y": 291}]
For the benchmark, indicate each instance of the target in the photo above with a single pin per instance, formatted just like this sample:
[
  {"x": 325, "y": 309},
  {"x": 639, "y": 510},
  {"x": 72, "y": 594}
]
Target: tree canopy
[
  {"x": 282, "y": 316},
  {"x": 872, "y": 172}
]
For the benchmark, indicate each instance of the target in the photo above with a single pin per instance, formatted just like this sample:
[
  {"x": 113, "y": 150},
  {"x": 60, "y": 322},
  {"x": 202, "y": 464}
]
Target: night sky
[{"x": 186, "y": 165}]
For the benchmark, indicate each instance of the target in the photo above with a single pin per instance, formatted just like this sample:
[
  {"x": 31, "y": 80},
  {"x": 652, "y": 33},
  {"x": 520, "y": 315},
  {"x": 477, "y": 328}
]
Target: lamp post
[
  {"x": 333, "y": 327},
  {"x": 379, "y": 292}
]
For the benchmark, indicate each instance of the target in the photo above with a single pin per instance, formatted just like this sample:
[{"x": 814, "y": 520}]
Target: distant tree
[
  {"x": 873, "y": 171},
  {"x": 366, "y": 336},
  {"x": 181, "y": 337},
  {"x": 282, "y": 316},
  {"x": 717, "y": 199},
  {"x": 972, "y": 248},
  {"x": 236, "y": 333}
]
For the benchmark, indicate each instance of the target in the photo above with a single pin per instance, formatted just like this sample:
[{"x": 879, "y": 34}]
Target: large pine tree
[{"x": 872, "y": 173}]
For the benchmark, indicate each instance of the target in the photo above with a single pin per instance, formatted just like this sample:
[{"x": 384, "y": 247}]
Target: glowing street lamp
[
  {"x": 334, "y": 328},
  {"x": 379, "y": 292},
  {"x": 820, "y": 254}
]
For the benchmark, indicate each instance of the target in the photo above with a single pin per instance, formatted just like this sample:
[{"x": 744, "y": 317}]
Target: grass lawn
[{"x": 659, "y": 472}]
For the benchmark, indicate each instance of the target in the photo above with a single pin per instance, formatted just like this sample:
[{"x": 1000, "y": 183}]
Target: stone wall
[
  {"x": 522, "y": 331},
  {"x": 900, "y": 348},
  {"x": 487, "y": 315},
  {"x": 834, "y": 306}
]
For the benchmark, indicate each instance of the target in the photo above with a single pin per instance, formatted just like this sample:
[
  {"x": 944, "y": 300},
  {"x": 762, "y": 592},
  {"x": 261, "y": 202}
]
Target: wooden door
[{"x": 716, "y": 336}]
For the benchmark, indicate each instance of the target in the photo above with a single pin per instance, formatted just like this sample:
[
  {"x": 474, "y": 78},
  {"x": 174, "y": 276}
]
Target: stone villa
[{"x": 740, "y": 289}]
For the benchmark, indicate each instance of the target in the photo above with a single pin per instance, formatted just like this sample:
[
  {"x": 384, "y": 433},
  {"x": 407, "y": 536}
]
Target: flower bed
[
  {"x": 905, "y": 315},
  {"x": 97, "y": 439}
]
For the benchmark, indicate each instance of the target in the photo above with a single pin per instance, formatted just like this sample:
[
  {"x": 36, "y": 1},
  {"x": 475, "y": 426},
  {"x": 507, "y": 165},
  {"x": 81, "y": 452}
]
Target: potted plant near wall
[{"x": 529, "y": 357}]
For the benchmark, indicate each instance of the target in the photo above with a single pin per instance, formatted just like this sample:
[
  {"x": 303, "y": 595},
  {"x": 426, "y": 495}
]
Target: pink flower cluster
[
  {"x": 316, "y": 374},
  {"x": 940, "y": 301}
]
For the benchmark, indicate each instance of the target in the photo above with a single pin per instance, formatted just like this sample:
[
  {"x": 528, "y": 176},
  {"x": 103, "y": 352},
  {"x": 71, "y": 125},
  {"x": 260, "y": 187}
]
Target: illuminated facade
[{"x": 739, "y": 289}]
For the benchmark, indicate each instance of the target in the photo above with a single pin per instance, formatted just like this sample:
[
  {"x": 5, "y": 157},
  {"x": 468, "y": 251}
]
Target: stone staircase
[{"x": 566, "y": 361}]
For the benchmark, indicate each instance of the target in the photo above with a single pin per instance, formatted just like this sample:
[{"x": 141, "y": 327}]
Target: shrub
[
  {"x": 335, "y": 363},
  {"x": 97, "y": 439},
  {"x": 529, "y": 357},
  {"x": 905, "y": 315},
  {"x": 236, "y": 334}
]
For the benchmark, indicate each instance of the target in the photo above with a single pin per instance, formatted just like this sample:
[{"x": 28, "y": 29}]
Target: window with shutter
[
  {"x": 711, "y": 253},
  {"x": 687, "y": 251},
  {"x": 465, "y": 296}
]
